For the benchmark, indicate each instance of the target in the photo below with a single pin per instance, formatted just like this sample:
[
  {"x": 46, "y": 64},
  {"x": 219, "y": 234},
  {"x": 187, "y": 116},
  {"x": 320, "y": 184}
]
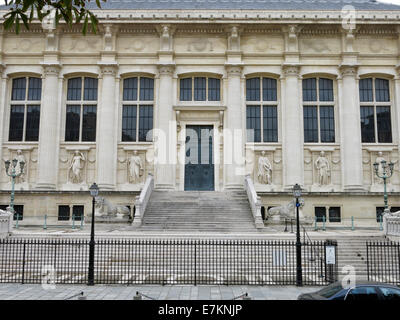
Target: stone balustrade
[
  {"x": 142, "y": 200},
  {"x": 255, "y": 202},
  {"x": 5, "y": 223},
  {"x": 391, "y": 225}
]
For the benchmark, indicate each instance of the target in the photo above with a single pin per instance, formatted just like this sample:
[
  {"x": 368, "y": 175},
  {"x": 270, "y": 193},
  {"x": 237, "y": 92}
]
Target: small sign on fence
[
  {"x": 279, "y": 258},
  {"x": 330, "y": 254}
]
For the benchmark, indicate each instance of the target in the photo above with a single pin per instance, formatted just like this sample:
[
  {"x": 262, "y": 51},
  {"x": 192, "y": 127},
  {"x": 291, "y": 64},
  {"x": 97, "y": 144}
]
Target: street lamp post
[
  {"x": 94, "y": 191},
  {"x": 299, "y": 275},
  {"x": 387, "y": 172},
  {"x": 13, "y": 174}
]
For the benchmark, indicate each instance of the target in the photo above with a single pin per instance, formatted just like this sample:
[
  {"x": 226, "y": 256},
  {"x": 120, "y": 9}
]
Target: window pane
[
  {"x": 35, "y": 89},
  {"x": 18, "y": 89},
  {"x": 74, "y": 89},
  {"x": 392, "y": 294},
  {"x": 129, "y": 123},
  {"x": 72, "y": 123},
  {"x": 90, "y": 90},
  {"x": 130, "y": 89},
  {"x": 379, "y": 214},
  {"x": 310, "y": 89},
  {"x": 320, "y": 213},
  {"x": 186, "y": 89},
  {"x": 363, "y": 294},
  {"x": 382, "y": 90},
  {"x": 19, "y": 212},
  {"x": 78, "y": 212},
  {"x": 384, "y": 124},
  {"x": 199, "y": 89},
  {"x": 253, "y": 123},
  {"x": 32, "y": 123},
  {"x": 334, "y": 214},
  {"x": 63, "y": 213},
  {"x": 89, "y": 123},
  {"x": 146, "y": 89},
  {"x": 367, "y": 124},
  {"x": 16, "y": 132},
  {"x": 269, "y": 89},
  {"x": 145, "y": 123},
  {"x": 366, "y": 93},
  {"x": 325, "y": 90},
  {"x": 310, "y": 124},
  {"x": 214, "y": 89},
  {"x": 270, "y": 124},
  {"x": 327, "y": 123},
  {"x": 253, "y": 89}
]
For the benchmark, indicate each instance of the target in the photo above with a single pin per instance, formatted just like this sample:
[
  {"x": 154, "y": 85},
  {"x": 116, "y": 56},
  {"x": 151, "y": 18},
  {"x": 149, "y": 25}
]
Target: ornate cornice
[
  {"x": 348, "y": 70},
  {"x": 51, "y": 69},
  {"x": 166, "y": 69}
]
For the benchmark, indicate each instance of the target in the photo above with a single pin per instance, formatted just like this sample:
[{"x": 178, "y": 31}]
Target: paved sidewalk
[{"x": 102, "y": 292}]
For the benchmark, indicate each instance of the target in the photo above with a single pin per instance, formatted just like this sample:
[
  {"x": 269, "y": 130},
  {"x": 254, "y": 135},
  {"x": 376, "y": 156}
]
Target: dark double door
[{"x": 199, "y": 165}]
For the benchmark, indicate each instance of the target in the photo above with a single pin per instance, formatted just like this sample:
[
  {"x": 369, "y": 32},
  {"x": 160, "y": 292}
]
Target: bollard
[
  {"x": 352, "y": 223},
  {"x": 82, "y": 218},
  {"x": 286, "y": 229},
  {"x": 315, "y": 223},
  {"x": 246, "y": 297},
  {"x": 137, "y": 296},
  {"x": 73, "y": 221},
  {"x": 323, "y": 223},
  {"x": 16, "y": 223},
  {"x": 45, "y": 222},
  {"x": 380, "y": 223}
]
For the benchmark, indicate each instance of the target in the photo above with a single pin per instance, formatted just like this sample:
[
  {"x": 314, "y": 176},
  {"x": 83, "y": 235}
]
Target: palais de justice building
[{"x": 286, "y": 92}]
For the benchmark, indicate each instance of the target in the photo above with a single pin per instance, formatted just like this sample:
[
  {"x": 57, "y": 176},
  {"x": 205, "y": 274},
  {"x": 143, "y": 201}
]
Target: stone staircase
[{"x": 219, "y": 212}]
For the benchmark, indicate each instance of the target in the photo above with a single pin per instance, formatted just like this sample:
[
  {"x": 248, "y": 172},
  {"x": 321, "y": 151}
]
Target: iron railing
[
  {"x": 161, "y": 261},
  {"x": 383, "y": 262}
]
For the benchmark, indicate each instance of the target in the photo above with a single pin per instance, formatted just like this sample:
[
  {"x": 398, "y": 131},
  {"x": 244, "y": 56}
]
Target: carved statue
[
  {"x": 378, "y": 160},
  {"x": 234, "y": 40},
  {"x": 264, "y": 169},
  {"x": 112, "y": 210},
  {"x": 20, "y": 158},
  {"x": 323, "y": 167},
  {"x": 165, "y": 38},
  {"x": 76, "y": 165},
  {"x": 286, "y": 211},
  {"x": 135, "y": 165}
]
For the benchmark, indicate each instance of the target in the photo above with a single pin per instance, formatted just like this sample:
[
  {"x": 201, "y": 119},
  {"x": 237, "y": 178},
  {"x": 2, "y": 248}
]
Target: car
[{"x": 361, "y": 291}]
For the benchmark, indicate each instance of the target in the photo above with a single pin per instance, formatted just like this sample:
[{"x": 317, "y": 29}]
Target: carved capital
[
  {"x": 290, "y": 70},
  {"x": 348, "y": 70},
  {"x": 397, "y": 71},
  {"x": 234, "y": 70},
  {"x": 109, "y": 69},
  {"x": 166, "y": 69},
  {"x": 51, "y": 70}
]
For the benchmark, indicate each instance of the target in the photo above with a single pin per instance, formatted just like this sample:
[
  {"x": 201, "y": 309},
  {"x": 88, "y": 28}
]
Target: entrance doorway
[{"x": 199, "y": 159}]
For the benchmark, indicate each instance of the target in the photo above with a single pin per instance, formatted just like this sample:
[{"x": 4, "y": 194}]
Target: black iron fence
[
  {"x": 383, "y": 262},
  {"x": 180, "y": 261}
]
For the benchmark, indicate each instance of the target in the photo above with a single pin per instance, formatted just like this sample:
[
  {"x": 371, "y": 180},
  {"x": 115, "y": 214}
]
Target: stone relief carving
[
  {"x": 200, "y": 45},
  {"x": 77, "y": 44},
  {"x": 323, "y": 167},
  {"x": 264, "y": 174},
  {"x": 378, "y": 160},
  {"x": 77, "y": 164},
  {"x": 103, "y": 207},
  {"x": 166, "y": 38},
  {"x": 234, "y": 39},
  {"x": 135, "y": 168},
  {"x": 315, "y": 45},
  {"x": 108, "y": 38},
  {"x": 20, "y": 158}
]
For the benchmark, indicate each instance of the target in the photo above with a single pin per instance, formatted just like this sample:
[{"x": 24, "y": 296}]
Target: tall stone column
[
  {"x": 292, "y": 129},
  {"x": 350, "y": 129},
  {"x": 3, "y": 90},
  {"x": 234, "y": 132},
  {"x": 49, "y": 128},
  {"x": 397, "y": 104},
  {"x": 165, "y": 131},
  {"x": 107, "y": 129}
]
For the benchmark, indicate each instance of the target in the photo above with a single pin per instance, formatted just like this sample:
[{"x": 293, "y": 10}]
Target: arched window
[
  {"x": 376, "y": 125},
  {"x": 318, "y": 110},
  {"x": 26, "y": 95},
  {"x": 200, "y": 89},
  {"x": 137, "y": 109},
  {"x": 81, "y": 110},
  {"x": 262, "y": 110}
]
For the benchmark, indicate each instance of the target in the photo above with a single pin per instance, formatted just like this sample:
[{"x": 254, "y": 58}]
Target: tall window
[
  {"x": 261, "y": 110},
  {"x": 25, "y": 109},
  {"x": 200, "y": 89},
  {"x": 375, "y": 111},
  {"x": 318, "y": 110},
  {"x": 81, "y": 110},
  {"x": 137, "y": 109}
]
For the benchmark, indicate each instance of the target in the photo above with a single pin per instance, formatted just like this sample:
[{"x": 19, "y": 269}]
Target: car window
[
  {"x": 362, "y": 293},
  {"x": 390, "y": 293},
  {"x": 330, "y": 290}
]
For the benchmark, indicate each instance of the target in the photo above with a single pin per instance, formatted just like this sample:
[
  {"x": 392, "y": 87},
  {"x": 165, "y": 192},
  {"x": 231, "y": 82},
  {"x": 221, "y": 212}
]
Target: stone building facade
[{"x": 285, "y": 95}]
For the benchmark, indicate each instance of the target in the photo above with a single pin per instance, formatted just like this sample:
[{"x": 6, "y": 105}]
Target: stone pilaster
[
  {"x": 350, "y": 129},
  {"x": 234, "y": 131},
  {"x": 3, "y": 90},
  {"x": 397, "y": 104},
  {"x": 292, "y": 132},
  {"x": 106, "y": 132},
  {"x": 165, "y": 132},
  {"x": 49, "y": 128}
]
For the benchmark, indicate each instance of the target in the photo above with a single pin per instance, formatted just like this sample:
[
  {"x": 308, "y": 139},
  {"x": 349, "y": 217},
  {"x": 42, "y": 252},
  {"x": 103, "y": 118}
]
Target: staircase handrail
[
  {"x": 255, "y": 202},
  {"x": 142, "y": 200}
]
